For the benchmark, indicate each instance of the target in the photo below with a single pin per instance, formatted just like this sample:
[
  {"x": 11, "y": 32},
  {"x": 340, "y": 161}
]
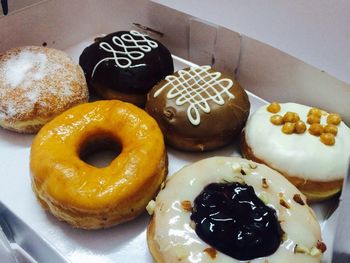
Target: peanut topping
[
  {"x": 186, "y": 205},
  {"x": 291, "y": 117},
  {"x": 288, "y": 128},
  {"x": 211, "y": 252},
  {"x": 297, "y": 198},
  {"x": 274, "y": 107},
  {"x": 283, "y": 201},
  {"x": 313, "y": 119},
  {"x": 331, "y": 128},
  {"x": 301, "y": 249},
  {"x": 252, "y": 164},
  {"x": 316, "y": 129},
  {"x": 321, "y": 246},
  {"x": 333, "y": 118},
  {"x": 327, "y": 138},
  {"x": 300, "y": 127},
  {"x": 315, "y": 111},
  {"x": 276, "y": 119}
]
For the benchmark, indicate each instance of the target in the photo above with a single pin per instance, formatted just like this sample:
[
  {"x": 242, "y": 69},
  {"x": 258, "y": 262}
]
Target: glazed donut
[
  {"x": 232, "y": 210},
  {"x": 125, "y": 65},
  {"x": 37, "y": 84},
  {"x": 198, "y": 108},
  {"x": 310, "y": 147},
  {"x": 86, "y": 196}
]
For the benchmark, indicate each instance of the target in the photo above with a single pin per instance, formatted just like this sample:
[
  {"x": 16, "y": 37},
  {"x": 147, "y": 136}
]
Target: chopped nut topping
[
  {"x": 291, "y": 117},
  {"x": 262, "y": 196},
  {"x": 301, "y": 249},
  {"x": 211, "y": 252},
  {"x": 327, "y": 138},
  {"x": 283, "y": 201},
  {"x": 274, "y": 107},
  {"x": 300, "y": 127},
  {"x": 331, "y": 128},
  {"x": 284, "y": 237},
  {"x": 315, "y": 252},
  {"x": 316, "y": 129},
  {"x": 192, "y": 224},
  {"x": 264, "y": 183},
  {"x": 150, "y": 207},
  {"x": 313, "y": 119},
  {"x": 181, "y": 252},
  {"x": 315, "y": 111},
  {"x": 186, "y": 205},
  {"x": 252, "y": 165},
  {"x": 162, "y": 186},
  {"x": 236, "y": 167},
  {"x": 276, "y": 119},
  {"x": 333, "y": 118},
  {"x": 297, "y": 198},
  {"x": 288, "y": 128},
  {"x": 321, "y": 246}
]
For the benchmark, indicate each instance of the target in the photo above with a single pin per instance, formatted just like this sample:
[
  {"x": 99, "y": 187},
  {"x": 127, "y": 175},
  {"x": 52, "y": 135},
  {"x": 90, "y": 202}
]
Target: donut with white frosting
[
  {"x": 309, "y": 146},
  {"x": 198, "y": 108},
  {"x": 180, "y": 220}
]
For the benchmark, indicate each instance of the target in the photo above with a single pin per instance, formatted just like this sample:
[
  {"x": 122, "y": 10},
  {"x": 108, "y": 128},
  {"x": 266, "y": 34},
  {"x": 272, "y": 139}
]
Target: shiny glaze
[
  {"x": 177, "y": 241},
  {"x": 232, "y": 219},
  {"x": 61, "y": 178},
  {"x": 132, "y": 76}
]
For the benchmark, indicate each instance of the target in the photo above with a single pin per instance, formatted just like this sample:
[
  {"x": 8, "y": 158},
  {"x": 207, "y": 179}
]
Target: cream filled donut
[
  {"x": 232, "y": 210},
  {"x": 309, "y": 146},
  {"x": 37, "y": 84},
  {"x": 198, "y": 108}
]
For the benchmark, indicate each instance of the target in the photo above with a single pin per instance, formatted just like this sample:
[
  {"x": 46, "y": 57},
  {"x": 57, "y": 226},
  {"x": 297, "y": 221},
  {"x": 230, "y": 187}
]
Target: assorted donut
[
  {"x": 125, "y": 65},
  {"x": 86, "y": 196},
  {"x": 188, "y": 103},
  {"x": 232, "y": 210},
  {"x": 229, "y": 209},
  {"x": 37, "y": 84},
  {"x": 307, "y": 145}
]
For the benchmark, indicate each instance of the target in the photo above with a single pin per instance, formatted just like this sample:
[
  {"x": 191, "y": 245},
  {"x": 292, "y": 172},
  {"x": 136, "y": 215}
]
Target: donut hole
[{"x": 100, "y": 150}]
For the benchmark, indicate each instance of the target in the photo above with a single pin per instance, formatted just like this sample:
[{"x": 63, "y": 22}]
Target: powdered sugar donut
[
  {"x": 307, "y": 145},
  {"x": 36, "y": 84},
  {"x": 232, "y": 210}
]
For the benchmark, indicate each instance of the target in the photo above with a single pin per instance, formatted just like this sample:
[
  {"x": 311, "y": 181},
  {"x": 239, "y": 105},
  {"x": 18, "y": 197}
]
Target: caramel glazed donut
[
  {"x": 310, "y": 147},
  {"x": 198, "y": 108},
  {"x": 125, "y": 65},
  {"x": 86, "y": 196},
  {"x": 232, "y": 210},
  {"x": 37, "y": 84}
]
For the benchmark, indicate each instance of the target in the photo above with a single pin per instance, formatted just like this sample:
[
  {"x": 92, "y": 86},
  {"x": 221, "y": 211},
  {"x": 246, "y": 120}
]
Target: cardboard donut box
[{"x": 70, "y": 26}]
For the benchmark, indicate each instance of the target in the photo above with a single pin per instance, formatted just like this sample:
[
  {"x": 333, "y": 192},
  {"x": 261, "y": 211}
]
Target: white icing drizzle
[
  {"x": 196, "y": 87},
  {"x": 132, "y": 49}
]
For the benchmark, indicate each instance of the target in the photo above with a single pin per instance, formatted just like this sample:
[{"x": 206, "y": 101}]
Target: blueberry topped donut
[
  {"x": 232, "y": 210},
  {"x": 307, "y": 145},
  {"x": 198, "y": 108},
  {"x": 125, "y": 65}
]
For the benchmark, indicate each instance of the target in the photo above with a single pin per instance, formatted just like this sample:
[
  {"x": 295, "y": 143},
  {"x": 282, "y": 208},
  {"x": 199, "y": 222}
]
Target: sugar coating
[{"x": 38, "y": 81}]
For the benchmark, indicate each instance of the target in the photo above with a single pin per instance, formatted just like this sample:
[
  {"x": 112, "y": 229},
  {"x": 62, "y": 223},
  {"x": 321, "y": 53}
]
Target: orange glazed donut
[{"x": 86, "y": 196}]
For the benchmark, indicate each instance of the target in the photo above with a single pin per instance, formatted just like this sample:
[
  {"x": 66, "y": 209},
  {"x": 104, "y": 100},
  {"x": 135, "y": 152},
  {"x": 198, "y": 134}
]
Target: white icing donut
[
  {"x": 172, "y": 239},
  {"x": 299, "y": 155}
]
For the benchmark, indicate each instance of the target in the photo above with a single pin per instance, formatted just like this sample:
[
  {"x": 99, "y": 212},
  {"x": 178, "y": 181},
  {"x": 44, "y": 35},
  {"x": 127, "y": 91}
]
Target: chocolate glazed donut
[
  {"x": 125, "y": 65},
  {"x": 198, "y": 108}
]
